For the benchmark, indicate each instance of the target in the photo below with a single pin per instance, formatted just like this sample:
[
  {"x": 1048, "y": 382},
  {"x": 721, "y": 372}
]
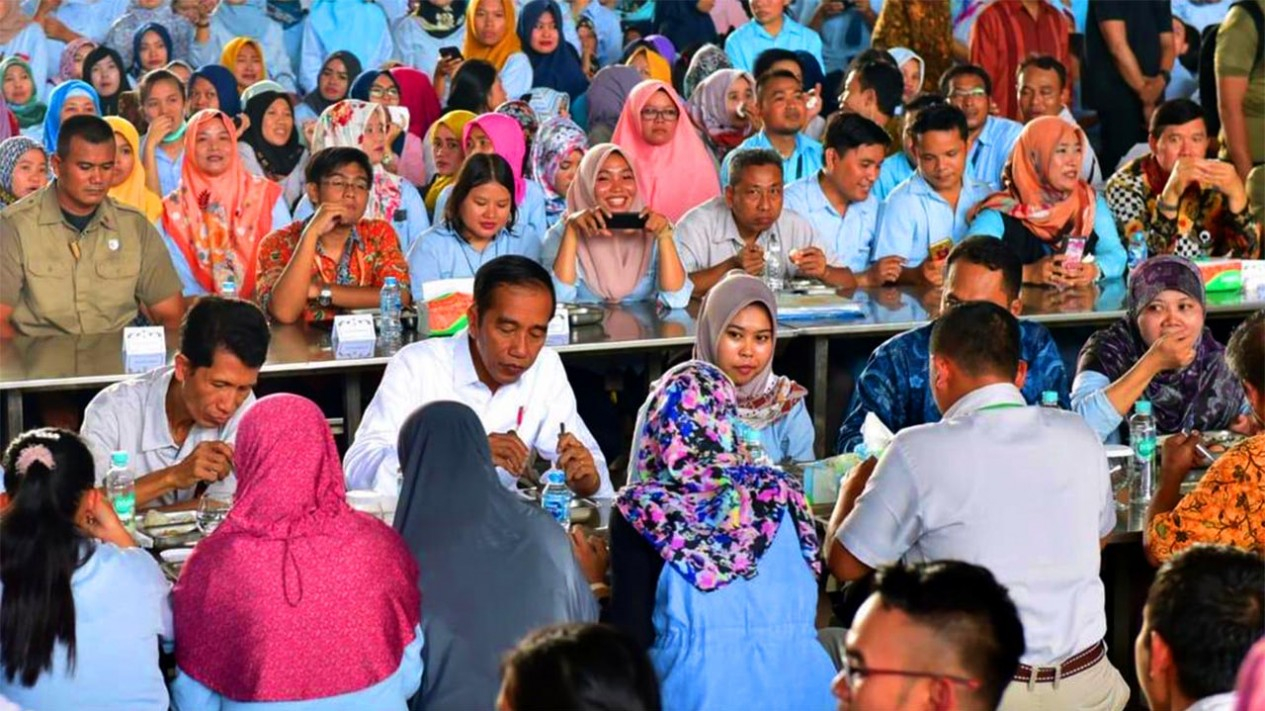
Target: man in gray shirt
[
  {"x": 178, "y": 423},
  {"x": 732, "y": 231}
]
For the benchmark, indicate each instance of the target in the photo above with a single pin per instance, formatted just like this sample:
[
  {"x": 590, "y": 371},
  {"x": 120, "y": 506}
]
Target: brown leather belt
[{"x": 1071, "y": 666}]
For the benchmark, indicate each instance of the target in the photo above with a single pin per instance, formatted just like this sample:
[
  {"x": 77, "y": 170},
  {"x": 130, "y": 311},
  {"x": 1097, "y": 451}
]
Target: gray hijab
[{"x": 492, "y": 567}]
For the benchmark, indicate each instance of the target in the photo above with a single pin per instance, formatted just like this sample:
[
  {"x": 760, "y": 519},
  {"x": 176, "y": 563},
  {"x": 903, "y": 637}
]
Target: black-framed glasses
[
  {"x": 853, "y": 673},
  {"x": 340, "y": 185},
  {"x": 378, "y": 92},
  {"x": 660, "y": 115}
]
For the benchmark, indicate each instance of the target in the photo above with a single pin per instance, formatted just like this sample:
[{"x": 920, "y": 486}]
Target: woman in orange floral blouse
[
  {"x": 335, "y": 260},
  {"x": 1227, "y": 506}
]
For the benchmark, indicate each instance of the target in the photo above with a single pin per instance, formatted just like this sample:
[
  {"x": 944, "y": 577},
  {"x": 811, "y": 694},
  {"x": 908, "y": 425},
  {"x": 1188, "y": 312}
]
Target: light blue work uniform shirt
[
  {"x": 647, "y": 288},
  {"x": 1109, "y": 253},
  {"x": 895, "y": 170},
  {"x": 986, "y": 159},
  {"x": 271, "y": 37},
  {"x": 531, "y": 222},
  {"x": 804, "y": 161},
  {"x": 443, "y": 254},
  {"x": 914, "y": 217},
  {"x": 851, "y": 235},
  {"x": 746, "y": 43}
]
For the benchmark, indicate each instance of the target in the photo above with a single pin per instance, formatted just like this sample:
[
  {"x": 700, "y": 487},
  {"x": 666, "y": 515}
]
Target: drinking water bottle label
[
  {"x": 556, "y": 497},
  {"x": 1145, "y": 447},
  {"x": 124, "y": 505}
]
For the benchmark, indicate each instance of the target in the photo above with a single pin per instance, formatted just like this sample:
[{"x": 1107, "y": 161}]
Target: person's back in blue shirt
[{"x": 896, "y": 170}]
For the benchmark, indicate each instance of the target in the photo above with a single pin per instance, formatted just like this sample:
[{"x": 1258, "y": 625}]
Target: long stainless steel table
[{"x": 30, "y": 366}]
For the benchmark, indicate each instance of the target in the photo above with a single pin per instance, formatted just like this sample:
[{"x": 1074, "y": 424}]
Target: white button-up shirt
[
  {"x": 443, "y": 369},
  {"x": 707, "y": 235},
  {"x": 131, "y": 417},
  {"x": 1023, "y": 491}
]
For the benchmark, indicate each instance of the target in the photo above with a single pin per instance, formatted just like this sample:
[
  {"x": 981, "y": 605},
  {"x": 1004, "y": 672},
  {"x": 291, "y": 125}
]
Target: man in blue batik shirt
[{"x": 894, "y": 383}]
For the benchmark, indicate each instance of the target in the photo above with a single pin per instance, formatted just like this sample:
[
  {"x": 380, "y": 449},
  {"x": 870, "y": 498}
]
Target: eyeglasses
[
  {"x": 378, "y": 92},
  {"x": 853, "y": 674},
  {"x": 660, "y": 114},
  {"x": 341, "y": 185},
  {"x": 976, "y": 93}
]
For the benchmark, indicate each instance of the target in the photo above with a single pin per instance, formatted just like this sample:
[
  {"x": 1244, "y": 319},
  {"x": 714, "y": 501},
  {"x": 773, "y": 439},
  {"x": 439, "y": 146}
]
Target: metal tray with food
[{"x": 169, "y": 529}]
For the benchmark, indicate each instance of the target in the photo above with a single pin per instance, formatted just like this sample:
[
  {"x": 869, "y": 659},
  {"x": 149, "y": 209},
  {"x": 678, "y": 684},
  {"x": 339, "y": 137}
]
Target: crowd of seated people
[{"x": 219, "y": 167}]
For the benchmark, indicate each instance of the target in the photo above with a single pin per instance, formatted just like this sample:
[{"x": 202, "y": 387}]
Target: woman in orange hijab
[
  {"x": 1054, "y": 221},
  {"x": 491, "y": 36},
  {"x": 214, "y": 220}
]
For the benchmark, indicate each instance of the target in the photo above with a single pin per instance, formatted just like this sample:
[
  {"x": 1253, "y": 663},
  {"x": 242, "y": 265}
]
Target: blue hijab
[
  {"x": 360, "y": 90},
  {"x": 250, "y": 19},
  {"x": 56, "y": 100},
  {"x": 225, "y": 85},
  {"x": 141, "y": 31},
  {"x": 561, "y": 68},
  {"x": 356, "y": 26}
]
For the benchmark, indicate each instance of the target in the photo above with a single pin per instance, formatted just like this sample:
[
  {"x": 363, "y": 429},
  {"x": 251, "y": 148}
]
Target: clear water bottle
[
  {"x": 774, "y": 264},
  {"x": 1050, "y": 399},
  {"x": 1142, "y": 439},
  {"x": 754, "y": 446},
  {"x": 120, "y": 488},
  {"x": 1137, "y": 249},
  {"x": 390, "y": 330},
  {"x": 556, "y": 497},
  {"x": 229, "y": 288}
]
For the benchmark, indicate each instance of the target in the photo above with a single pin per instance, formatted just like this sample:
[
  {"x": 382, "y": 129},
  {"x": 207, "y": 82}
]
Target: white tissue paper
[{"x": 874, "y": 435}]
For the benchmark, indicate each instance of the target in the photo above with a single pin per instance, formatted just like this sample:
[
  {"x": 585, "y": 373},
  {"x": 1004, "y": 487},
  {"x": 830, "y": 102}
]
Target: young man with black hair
[
  {"x": 901, "y": 164},
  {"x": 783, "y": 110},
  {"x": 991, "y": 138},
  {"x": 74, "y": 261},
  {"x": 178, "y": 422},
  {"x": 873, "y": 90},
  {"x": 1023, "y": 491},
  {"x": 1205, "y": 610},
  {"x": 942, "y": 635},
  {"x": 500, "y": 367}
]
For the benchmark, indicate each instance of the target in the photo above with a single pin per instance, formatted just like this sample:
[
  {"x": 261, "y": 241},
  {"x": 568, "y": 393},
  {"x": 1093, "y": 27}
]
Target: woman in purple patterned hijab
[{"x": 1160, "y": 351}]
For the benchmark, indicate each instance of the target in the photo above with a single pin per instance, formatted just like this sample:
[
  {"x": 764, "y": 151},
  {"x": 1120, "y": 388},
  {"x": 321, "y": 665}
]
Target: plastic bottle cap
[
  {"x": 118, "y": 459},
  {"x": 1049, "y": 397},
  {"x": 556, "y": 476},
  {"x": 390, "y": 281},
  {"x": 1142, "y": 407}
]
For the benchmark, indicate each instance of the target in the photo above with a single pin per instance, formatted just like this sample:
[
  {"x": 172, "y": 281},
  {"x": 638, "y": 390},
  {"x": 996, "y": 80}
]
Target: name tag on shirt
[
  {"x": 353, "y": 336},
  {"x": 144, "y": 348}
]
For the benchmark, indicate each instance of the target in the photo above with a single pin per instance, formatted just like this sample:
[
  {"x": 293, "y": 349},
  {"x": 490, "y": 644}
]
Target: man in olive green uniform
[
  {"x": 1241, "y": 89},
  {"x": 73, "y": 261}
]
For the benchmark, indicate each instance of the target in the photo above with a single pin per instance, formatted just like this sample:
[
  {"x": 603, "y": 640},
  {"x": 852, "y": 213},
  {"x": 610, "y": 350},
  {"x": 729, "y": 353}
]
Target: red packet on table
[
  {"x": 1074, "y": 253},
  {"x": 940, "y": 250}
]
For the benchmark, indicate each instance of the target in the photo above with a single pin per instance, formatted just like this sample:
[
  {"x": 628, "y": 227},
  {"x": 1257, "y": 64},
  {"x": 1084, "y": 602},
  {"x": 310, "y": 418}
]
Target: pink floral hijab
[{"x": 343, "y": 125}]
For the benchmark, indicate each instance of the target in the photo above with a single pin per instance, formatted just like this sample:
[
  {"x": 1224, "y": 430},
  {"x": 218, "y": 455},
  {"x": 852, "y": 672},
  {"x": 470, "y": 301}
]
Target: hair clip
[{"x": 35, "y": 453}]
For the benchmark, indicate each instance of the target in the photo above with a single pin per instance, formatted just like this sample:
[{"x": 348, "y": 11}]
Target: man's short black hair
[
  {"x": 153, "y": 78},
  {"x": 845, "y": 132},
  {"x": 479, "y": 169},
  {"x": 1208, "y": 603},
  {"x": 237, "y": 326},
  {"x": 1175, "y": 113},
  {"x": 995, "y": 256},
  {"x": 925, "y": 100},
  {"x": 327, "y": 160},
  {"x": 980, "y": 338},
  {"x": 946, "y": 117},
  {"x": 1245, "y": 353},
  {"x": 744, "y": 158},
  {"x": 873, "y": 54},
  {"x": 946, "y": 79},
  {"x": 86, "y": 127},
  {"x": 887, "y": 82},
  {"x": 763, "y": 80},
  {"x": 766, "y": 59},
  {"x": 964, "y": 605},
  {"x": 510, "y": 270},
  {"x": 1047, "y": 63}
]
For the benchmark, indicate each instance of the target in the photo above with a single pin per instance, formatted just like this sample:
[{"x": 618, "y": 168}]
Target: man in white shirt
[
  {"x": 1204, "y": 611},
  {"x": 1043, "y": 91},
  {"x": 732, "y": 231},
  {"x": 178, "y": 423},
  {"x": 1023, "y": 491},
  {"x": 501, "y": 369}
]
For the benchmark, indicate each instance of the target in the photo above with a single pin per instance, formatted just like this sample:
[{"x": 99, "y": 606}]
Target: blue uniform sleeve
[
  {"x": 736, "y": 50},
  {"x": 1109, "y": 251},
  {"x": 279, "y": 66},
  {"x": 416, "y": 220},
  {"x": 189, "y": 694},
  {"x": 441, "y": 203},
  {"x": 897, "y": 233},
  {"x": 987, "y": 222},
  {"x": 516, "y": 75},
  {"x": 423, "y": 264},
  {"x": 189, "y": 285},
  {"x": 1089, "y": 398},
  {"x": 799, "y": 435},
  {"x": 876, "y": 391}
]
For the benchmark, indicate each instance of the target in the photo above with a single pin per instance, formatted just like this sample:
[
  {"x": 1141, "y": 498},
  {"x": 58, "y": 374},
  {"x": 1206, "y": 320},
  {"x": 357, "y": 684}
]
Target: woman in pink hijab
[
  {"x": 592, "y": 260},
  {"x": 675, "y": 171},
  {"x": 296, "y": 597}
]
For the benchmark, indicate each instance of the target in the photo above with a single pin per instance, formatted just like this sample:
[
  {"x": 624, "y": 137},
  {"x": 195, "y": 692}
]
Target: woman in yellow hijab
[
  {"x": 244, "y": 57},
  {"x": 491, "y": 36},
  {"x": 651, "y": 64},
  {"x": 444, "y": 153},
  {"x": 127, "y": 185}
]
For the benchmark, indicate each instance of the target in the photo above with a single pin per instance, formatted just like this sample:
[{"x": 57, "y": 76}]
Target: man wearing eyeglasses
[
  {"x": 991, "y": 138},
  {"x": 335, "y": 260},
  {"x": 940, "y": 635}
]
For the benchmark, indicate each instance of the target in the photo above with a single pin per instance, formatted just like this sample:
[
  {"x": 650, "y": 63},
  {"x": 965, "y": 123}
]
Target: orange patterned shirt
[
  {"x": 372, "y": 254},
  {"x": 1227, "y": 507}
]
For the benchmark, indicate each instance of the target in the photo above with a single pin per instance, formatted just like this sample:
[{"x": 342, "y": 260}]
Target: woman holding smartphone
[
  {"x": 612, "y": 248},
  {"x": 1054, "y": 220}
]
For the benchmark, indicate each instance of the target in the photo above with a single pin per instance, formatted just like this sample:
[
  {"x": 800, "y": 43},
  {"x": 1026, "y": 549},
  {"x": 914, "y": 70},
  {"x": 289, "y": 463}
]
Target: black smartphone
[
  {"x": 450, "y": 53},
  {"x": 626, "y": 221}
]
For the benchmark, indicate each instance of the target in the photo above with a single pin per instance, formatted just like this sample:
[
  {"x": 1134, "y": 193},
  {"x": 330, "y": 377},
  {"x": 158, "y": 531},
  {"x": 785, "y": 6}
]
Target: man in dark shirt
[{"x": 1129, "y": 54}]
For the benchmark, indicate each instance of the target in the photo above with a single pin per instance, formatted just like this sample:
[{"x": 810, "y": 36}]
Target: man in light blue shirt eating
[
  {"x": 992, "y": 138},
  {"x": 926, "y": 215},
  {"x": 838, "y": 201}
]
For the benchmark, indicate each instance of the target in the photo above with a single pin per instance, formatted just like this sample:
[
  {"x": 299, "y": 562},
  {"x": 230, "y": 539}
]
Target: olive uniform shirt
[{"x": 58, "y": 280}]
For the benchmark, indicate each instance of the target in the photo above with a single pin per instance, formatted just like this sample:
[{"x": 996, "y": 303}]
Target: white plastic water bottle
[
  {"x": 120, "y": 488},
  {"x": 1050, "y": 399},
  {"x": 1137, "y": 249},
  {"x": 774, "y": 264},
  {"x": 390, "y": 304},
  {"x": 229, "y": 288},
  {"x": 556, "y": 497},
  {"x": 1142, "y": 439},
  {"x": 754, "y": 446}
]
